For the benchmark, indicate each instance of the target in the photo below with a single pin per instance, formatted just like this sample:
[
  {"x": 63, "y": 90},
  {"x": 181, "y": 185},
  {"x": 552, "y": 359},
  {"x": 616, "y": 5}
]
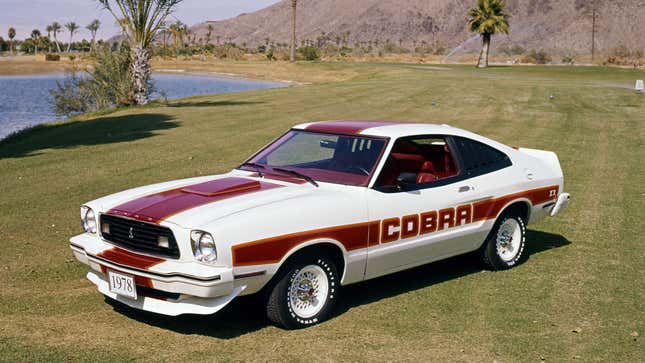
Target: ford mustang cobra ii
[{"x": 326, "y": 204}]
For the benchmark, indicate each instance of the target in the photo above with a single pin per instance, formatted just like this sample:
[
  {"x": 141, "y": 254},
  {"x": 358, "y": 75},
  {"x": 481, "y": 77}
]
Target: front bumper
[{"x": 195, "y": 288}]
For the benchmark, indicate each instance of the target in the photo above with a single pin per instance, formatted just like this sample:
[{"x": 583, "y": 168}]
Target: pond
[{"x": 25, "y": 100}]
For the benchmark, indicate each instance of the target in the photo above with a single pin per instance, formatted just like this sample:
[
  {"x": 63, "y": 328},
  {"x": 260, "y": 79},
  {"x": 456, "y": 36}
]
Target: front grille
[{"x": 139, "y": 236}]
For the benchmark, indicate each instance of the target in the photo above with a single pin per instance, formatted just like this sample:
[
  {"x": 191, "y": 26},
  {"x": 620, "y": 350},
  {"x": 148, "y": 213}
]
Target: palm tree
[
  {"x": 55, "y": 29},
  {"x": 292, "y": 55},
  {"x": 209, "y": 33},
  {"x": 142, "y": 20},
  {"x": 49, "y": 36},
  {"x": 35, "y": 36},
  {"x": 72, "y": 27},
  {"x": 177, "y": 29},
  {"x": 11, "y": 34},
  {"x": 488, "y": 18},
  {"x": 93, "y": 27}
]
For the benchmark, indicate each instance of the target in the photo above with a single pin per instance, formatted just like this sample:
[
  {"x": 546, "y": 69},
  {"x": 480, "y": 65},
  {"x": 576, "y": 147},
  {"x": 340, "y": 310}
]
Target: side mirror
[{"x": 406, "y": 181}]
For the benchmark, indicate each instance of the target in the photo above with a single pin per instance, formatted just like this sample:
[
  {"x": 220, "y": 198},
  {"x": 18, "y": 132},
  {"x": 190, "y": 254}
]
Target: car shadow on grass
[
  {"x": 102, "y": 130},
  {"x": 246, "y": 314}
]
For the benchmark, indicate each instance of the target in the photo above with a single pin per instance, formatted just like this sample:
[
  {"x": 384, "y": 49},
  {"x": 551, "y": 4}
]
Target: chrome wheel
[
  {"x": 509, "y": 240},
  {"x": 309, "y": 291}
]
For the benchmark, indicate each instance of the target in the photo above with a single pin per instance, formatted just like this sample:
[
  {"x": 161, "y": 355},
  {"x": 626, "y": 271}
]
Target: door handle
[{"x": 465, "y": 188}]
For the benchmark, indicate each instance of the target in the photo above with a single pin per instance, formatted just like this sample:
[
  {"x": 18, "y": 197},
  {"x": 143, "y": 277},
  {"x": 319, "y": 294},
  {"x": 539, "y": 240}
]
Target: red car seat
[{"x": 426, "y": 174}]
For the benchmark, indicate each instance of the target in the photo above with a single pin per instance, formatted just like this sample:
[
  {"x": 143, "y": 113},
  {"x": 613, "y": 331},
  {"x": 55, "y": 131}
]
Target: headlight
[
  {"x": 88, "y": 219},
  {"x": 203, "y": 246}
]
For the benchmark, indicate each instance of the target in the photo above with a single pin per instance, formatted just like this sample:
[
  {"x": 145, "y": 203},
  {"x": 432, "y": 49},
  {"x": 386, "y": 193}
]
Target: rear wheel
[
  {"x": 304, "y": 294},
  {"x": 504, "y": 246}
]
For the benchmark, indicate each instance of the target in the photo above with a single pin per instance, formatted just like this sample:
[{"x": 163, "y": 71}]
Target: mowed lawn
[{"x": 579, "y": 296}]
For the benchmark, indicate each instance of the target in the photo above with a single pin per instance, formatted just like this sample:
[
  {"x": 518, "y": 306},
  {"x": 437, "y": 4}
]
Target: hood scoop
[{"x": 224, "y": 186}]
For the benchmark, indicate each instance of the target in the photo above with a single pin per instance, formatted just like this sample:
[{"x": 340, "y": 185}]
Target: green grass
[{"x": 585, "y": 270}]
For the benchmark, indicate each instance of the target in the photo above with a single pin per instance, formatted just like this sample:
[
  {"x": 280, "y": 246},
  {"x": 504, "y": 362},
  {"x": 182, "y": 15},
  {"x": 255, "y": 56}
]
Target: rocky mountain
[{"x": 559, "y": 26}]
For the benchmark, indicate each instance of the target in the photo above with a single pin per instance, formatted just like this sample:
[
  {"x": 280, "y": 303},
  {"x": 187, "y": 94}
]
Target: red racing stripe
[
  {"x": 490, "y": 208},
  {"x": 127, "y": 258},
  {"x": 156, "y": 207},
  {"x": 362, "y": 235},
  {"x": 348, "y": 127},
  {"x": 271, "y": 250}
]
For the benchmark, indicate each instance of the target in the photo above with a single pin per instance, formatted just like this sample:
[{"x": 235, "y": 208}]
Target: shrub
[
  {"x": 329, "y": 50},
  {"x": 269, "y": 54},
  {"x": 622, "y": 55},
  {"x": 228, "y": 51},
  {"x": 105, "y": 85},
  {"x": 568, "y": 59},
  {"x": 440, "y": 50},
  {"x": 345, "y": 51},
  {"x": 390, "y": 47},
  {"x": 52, "y": 57},
  {"x": 537, "y": 57},
  {"x": 309, "y": 53}
]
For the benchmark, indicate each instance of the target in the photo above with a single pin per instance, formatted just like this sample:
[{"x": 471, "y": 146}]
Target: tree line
[{"x": 50, "y": 43}]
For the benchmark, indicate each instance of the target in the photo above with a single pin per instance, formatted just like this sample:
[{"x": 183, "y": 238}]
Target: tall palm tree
[
  {"x": 72, "y": 27},
  {"x": 35, "y": 36},
  {"x": 177, "y": 29},
  {"x": 209, "y": 33},
  {"x": 292, "y": 55},
  {"x": 49, "y": 29},
  {"x": 12, "y": 34},
  {"x": 488, "y": 18},
  {"x": 93, "y": 27},
  {"x": 55, "y": 29},
  {"x": 142, "y": 20}
]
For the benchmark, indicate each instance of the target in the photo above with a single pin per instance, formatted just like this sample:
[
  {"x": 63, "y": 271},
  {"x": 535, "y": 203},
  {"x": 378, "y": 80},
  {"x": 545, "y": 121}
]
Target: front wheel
[
  {"x": 305, "y": 293},
  {"x": 504, "y": 247}
]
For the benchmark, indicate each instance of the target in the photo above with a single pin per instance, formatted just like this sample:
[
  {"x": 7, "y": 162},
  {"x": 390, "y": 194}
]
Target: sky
[{"x": 26, "y": 15}]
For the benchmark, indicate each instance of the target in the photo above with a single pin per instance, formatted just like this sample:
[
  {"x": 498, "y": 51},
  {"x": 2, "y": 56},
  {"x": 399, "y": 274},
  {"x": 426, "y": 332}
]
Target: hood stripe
[
  {"x": 156, "y": 207},
  {"x": 127, "y": 258}
]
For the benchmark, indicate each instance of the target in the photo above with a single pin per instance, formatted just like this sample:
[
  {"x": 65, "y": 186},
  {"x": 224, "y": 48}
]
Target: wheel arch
[
  {"x": 522, "y": 206},
  {"x": 333, "y": 249}
]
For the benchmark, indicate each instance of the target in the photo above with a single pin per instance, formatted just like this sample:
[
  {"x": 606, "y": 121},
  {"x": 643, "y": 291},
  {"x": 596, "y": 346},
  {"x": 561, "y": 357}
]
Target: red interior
[{"x": 428, "y": 162}]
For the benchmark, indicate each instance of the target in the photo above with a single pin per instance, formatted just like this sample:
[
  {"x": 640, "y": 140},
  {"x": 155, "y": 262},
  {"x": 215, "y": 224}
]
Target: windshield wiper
[
  {"x": 256, "y": 166},
  {"x": 298, "y": 174}
]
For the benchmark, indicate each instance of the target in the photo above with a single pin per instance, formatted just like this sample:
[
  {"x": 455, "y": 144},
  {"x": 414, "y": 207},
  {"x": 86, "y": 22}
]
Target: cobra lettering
[{"x": 394, "y": 229}]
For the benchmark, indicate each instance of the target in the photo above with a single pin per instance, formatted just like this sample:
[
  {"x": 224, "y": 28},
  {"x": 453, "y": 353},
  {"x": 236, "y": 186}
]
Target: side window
[
  {"x": 421, "y": 159},
  {"x": 478, "y": 158}
]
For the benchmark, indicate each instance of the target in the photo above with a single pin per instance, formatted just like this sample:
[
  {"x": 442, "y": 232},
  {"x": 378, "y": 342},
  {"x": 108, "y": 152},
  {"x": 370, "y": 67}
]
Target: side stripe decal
[{"x": 362, "y": 235}]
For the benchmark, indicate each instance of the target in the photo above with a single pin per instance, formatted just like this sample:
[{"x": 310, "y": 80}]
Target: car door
[
  {"x": 423, "y": 221},
  {"x": 488, "y": 177}
]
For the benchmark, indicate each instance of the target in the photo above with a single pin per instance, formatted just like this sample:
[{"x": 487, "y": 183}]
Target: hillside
[{"x": 560, "y": 26}]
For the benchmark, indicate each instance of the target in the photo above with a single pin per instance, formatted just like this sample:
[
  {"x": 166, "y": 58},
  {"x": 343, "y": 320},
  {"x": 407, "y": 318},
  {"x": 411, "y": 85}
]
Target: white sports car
[{"x": 326, "y": 204}]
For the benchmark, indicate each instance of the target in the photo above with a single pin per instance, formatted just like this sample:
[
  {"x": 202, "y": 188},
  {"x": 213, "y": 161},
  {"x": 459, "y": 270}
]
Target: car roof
[{"x": 392, "y": 129}]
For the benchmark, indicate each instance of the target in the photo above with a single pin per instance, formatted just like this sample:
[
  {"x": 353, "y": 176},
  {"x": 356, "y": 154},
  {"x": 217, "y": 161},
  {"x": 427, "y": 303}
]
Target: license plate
[{"x": 122, "y": 284}]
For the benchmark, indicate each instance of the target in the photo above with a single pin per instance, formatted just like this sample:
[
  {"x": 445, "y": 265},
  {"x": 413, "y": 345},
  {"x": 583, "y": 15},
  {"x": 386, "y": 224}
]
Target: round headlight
[
  {"x": 88, "y": 219},
  {"x": 203, "y": 246}
]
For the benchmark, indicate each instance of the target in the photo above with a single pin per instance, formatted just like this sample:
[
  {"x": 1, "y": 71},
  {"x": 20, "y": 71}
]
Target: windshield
[{"x": 332, "y": 158}]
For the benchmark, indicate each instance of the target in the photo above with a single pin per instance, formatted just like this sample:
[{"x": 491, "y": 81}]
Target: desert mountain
[{"x": 559, "y": 26}]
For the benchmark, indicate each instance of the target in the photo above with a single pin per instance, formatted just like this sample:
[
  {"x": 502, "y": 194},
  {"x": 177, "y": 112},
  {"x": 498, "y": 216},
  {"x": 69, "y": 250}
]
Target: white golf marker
[{"x": 639, "y": 85}]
